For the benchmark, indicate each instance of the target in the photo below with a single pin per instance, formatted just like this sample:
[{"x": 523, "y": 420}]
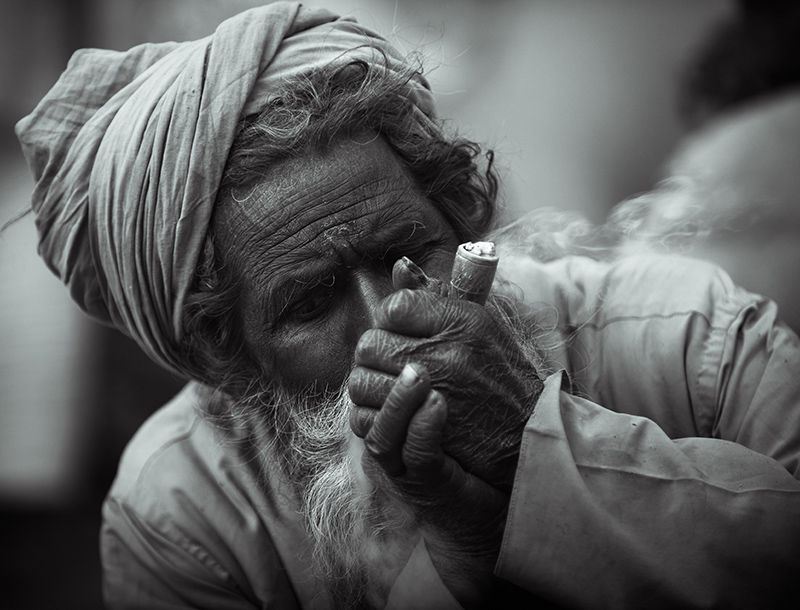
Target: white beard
[{"x": 361, "y": 537}]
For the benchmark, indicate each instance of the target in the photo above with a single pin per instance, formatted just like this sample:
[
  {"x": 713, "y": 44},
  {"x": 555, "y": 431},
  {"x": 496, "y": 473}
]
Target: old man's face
[{"x": 316, "y": 244}]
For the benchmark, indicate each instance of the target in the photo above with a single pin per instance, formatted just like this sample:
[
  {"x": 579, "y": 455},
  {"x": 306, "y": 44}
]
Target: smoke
[{"x": 677, "y": 215}]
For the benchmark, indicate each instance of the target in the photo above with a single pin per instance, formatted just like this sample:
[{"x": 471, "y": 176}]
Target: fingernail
[
  {"x": 408, "y": 376},
  {"x": 415, "y": 270}
]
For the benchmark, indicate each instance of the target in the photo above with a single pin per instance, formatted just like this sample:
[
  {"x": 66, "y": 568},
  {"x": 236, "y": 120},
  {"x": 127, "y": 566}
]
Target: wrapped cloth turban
[{"x": 128, "y": 150}]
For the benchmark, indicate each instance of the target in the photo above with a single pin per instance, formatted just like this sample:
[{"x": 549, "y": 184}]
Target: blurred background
[{"x": 579, "y": 98}]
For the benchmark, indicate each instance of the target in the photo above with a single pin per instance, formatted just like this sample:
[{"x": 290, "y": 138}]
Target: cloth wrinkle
[{"x": 128, "y": 150}]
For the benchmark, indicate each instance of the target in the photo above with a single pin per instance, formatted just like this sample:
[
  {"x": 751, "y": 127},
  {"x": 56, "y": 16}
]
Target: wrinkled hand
[
  {"x": 471, "y": 359},
  {"x": 461, "y": 517},
  {"x": 442, "y": 394}
]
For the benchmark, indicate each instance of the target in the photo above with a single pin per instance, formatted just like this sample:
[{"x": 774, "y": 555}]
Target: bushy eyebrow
[
  {"x": 395, "y": 235},
  {"x": 290, "y": 280}
]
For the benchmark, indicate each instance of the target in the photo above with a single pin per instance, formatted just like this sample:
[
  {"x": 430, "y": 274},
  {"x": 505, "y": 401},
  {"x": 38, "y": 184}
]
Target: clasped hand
[{"x": 442, "y": 393}]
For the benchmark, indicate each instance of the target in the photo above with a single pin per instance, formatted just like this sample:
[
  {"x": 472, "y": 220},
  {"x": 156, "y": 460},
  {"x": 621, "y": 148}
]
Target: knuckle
[
  {"x": 382, "y": 385},
  {"x": 361, "y": 421},
  {"x": 366, "y": 341},
  {"x": 397, "y": 305},
  {"x": 376, "y": 445},
  {"x": 357, "y": 384},
  {"x": 373, "y": 343},
  {"x": 418, "y": 455},
  {"x": 450, "y": 362}
]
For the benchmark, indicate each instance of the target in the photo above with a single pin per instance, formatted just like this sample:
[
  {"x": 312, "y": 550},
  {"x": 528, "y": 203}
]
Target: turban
[{"x": 128, "y": 151}]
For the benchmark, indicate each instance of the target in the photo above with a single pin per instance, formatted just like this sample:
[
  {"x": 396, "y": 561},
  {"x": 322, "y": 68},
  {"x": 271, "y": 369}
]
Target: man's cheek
[{"x": 313, "y": 361}]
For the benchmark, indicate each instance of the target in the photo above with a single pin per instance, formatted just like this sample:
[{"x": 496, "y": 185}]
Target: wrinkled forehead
[{"x": 319, "y": 205}]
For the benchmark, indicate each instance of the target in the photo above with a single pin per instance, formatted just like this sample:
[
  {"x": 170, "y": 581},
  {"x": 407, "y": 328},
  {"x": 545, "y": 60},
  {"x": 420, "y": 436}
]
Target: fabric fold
[{"x": 128, "y": 150}]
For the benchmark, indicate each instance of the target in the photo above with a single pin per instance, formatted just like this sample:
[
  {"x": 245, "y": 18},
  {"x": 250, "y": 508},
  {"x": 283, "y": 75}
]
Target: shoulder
[
  {"x": 185, "y": 507},
  {"x": 176, "y": 458},
  {"x": 175, "y": 430}
]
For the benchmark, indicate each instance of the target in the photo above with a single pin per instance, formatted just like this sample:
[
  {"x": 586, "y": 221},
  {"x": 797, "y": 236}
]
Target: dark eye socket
[
  {"x": 314, "y": 302},
  {"x": 310, "y": 307}
]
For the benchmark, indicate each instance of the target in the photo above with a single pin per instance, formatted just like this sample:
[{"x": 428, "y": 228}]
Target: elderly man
[{"x": 273, "y": 211}]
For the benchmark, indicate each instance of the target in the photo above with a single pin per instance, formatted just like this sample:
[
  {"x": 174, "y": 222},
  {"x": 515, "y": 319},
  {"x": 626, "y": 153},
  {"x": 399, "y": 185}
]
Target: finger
[
  {"x": 407, "y": 274},
  {"x": 415, "y": 313},
  {"x": 385, "y": 440},
  {"x": 422, "y": 450},
  {"x": 384, "y": 352},
  {"x": 428, "y": 465},
  {"x": 361, "y": 420},
  {"x": 369, "y": 387}
]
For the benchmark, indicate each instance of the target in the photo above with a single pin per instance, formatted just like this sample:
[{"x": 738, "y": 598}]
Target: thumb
[{"x": 407, "y": 274}]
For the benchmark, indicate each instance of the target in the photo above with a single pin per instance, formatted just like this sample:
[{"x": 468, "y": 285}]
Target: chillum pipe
[{"x": 473, "y": 271}]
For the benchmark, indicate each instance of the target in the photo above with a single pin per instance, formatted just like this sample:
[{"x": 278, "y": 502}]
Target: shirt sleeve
[
  {"x": 609, "y": 512},
  {"x": 757, "y": 385}
]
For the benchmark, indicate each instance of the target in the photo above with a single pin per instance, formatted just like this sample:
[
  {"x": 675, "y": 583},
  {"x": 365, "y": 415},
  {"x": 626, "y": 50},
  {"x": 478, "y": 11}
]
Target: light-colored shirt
[{"x": 659, "y": 468}]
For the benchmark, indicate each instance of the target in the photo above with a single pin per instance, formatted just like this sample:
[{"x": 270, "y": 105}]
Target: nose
[{"x": 369, "y": 287}]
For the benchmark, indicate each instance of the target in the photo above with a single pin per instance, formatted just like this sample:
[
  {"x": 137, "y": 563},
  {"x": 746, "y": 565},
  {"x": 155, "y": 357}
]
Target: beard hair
[{"x": 359, "y": 532}]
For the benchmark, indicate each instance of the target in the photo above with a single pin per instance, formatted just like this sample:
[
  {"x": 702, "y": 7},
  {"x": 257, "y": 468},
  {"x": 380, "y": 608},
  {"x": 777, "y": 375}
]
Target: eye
[
  {"x": 313, "y": 303},
  {"x": 310, "y": 306}
]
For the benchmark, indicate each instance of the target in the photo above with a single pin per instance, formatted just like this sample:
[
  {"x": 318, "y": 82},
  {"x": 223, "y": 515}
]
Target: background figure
[{"x": 732, "y": 188}]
